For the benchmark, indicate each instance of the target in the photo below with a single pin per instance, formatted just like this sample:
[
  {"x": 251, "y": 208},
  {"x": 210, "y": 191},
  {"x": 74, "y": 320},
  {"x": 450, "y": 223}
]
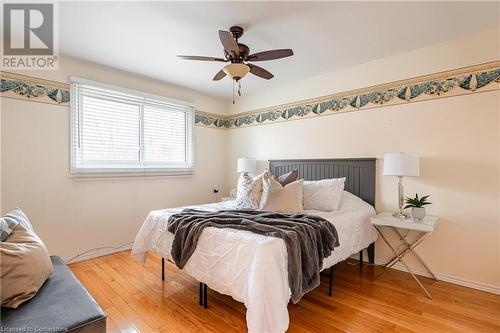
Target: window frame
[{"x": 143, "y": 168}]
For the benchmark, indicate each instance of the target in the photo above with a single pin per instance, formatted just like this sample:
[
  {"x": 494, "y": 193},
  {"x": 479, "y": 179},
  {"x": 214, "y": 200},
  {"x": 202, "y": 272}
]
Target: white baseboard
[
  {"x": 448, "y": 278},
  {"x": 98, "y": 253},
  {"x": 441, "y": 277}
]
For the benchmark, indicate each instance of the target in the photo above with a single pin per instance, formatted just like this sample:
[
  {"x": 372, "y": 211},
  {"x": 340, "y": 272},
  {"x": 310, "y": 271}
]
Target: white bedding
[{"x": 253, "y": 268}]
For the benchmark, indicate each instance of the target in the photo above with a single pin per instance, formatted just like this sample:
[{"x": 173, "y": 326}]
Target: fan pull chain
[{"x": 239, "y": 89}]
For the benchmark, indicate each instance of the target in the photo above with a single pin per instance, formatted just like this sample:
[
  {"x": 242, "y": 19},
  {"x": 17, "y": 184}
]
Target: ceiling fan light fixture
[
  {"x": 236, "y": 71},
  {"x": 238, "y": 53}
]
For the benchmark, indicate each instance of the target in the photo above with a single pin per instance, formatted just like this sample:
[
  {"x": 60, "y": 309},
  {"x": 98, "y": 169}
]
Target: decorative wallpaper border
[
  {"x": 26, "y": 87},
  {"x": 30, "y": 88},
  {"x": 467, "y": 80}
]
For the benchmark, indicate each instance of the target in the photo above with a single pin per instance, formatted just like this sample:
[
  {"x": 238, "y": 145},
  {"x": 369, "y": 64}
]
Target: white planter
[{"x": 418, "y": 213}]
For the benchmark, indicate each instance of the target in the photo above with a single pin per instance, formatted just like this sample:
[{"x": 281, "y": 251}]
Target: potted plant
[{"x": 417, "y": 206}]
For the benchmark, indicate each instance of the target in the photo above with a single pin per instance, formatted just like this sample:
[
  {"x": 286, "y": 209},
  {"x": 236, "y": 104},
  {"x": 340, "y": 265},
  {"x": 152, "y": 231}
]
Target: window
[{"x": 124, "y": 131}]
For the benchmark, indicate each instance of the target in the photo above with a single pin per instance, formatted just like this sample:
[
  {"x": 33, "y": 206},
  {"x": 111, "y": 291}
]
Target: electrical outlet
[{"x": 215, "y": 190}]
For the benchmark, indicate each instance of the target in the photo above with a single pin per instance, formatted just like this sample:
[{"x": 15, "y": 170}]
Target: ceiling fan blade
[
  {"x": 229, "y": 42},
  {"x": 260, "y": 72},
  {"x": 187, "y": 57},
  {"x": 270, "y": 55},
  {"x": 220, "y": 75}
]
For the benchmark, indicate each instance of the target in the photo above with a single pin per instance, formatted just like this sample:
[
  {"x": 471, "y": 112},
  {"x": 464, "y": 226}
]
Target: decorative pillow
[
  {"x": 288, "y": 178},
  {"x": 249, "y": 191},
  {"x": 325, "y": 195},
  {"x": 24, "y": 266},
  {"x": 283, "y": 199},
  {"x": 9, "y": 222}
]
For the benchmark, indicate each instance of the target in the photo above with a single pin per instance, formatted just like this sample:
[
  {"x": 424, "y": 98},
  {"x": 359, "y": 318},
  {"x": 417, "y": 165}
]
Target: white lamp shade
[
  {"x": 246, "y": 164},
  {"x": 401, "y": 164}
]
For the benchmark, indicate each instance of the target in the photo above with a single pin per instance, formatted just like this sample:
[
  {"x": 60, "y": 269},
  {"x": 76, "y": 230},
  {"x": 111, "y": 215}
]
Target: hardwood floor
[{"x": 136, "y": 300}]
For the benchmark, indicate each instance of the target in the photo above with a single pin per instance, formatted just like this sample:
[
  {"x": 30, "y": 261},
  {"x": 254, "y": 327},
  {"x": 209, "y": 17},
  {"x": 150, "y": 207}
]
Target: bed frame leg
[
  {"x": 200, "y": 295},
  {"x": 371, "y": 253},
  {"x": 163, "y": 269},
  {"x": 330, "y": 282},
  {"x": 205, "y": 296},
  {"x": 361, "y": 258}
]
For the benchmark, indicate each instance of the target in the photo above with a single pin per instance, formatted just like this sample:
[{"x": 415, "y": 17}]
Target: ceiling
[{"x": 145, "y": 37}]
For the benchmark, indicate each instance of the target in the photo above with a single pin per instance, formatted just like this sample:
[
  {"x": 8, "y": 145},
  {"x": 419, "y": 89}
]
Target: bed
[{"x": 253, "y": 268}]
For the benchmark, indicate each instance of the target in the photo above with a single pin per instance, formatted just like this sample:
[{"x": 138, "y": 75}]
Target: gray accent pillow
[
  {"x": 288, "y": 178},
  {"x": 9, "y": 222}
]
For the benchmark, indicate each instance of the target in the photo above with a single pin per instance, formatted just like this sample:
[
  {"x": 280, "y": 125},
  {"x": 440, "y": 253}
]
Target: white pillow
[
  {"x": 325, "y": 195},
  {"x": 249, "y": 191},
  {"x": 279, "y": 198},
  {"x": 352, "y": 202}
]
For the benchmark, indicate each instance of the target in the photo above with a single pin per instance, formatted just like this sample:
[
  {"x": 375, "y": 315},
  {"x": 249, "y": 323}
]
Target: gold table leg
[{"x": 400, "y": 259}]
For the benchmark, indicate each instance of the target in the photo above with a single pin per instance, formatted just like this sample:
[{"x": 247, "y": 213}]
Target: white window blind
[{"x": 119, "y": 130}]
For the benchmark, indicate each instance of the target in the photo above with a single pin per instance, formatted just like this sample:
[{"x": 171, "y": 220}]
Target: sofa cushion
[{"x": 61, "y": 305}]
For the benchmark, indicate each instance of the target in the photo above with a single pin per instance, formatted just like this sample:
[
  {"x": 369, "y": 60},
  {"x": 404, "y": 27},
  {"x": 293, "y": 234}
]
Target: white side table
[{"x": 425, "y": 227}]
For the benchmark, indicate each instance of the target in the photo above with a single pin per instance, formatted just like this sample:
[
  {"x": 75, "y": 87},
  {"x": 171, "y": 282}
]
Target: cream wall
[
  {"x": 470, "y": 50},
  {"x": 1, "y": 159},
  {"x": 73, "y": 216},
  {"x": 457, "y": 139}
]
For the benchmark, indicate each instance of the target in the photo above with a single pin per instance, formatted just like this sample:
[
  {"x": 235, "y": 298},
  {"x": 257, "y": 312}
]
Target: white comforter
[{"x": 250, "y": 267}]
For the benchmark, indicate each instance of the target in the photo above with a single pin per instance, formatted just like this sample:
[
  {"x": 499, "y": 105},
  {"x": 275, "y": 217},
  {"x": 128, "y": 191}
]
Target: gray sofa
[{"x": 61, "y": 305}]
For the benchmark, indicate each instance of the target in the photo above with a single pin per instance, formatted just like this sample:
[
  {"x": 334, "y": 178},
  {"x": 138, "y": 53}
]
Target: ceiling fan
[{"x": 239, "y": 56}]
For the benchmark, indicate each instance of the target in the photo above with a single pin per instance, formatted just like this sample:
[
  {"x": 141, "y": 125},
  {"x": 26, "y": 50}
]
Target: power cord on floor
[{"x": 69, "y": 261}]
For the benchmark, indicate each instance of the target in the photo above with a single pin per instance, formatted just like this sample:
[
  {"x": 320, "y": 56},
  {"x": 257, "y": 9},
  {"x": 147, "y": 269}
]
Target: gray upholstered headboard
[{"x": 359, "y": 173}]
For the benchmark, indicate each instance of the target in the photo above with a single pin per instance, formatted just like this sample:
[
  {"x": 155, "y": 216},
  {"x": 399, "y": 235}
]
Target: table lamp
[
  {"x": 246, "y": 165},
  {"x": 400, "y": 165}
]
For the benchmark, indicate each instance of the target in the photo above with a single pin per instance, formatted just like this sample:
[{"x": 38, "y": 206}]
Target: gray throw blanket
[{"x": 309, "y": 239}]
